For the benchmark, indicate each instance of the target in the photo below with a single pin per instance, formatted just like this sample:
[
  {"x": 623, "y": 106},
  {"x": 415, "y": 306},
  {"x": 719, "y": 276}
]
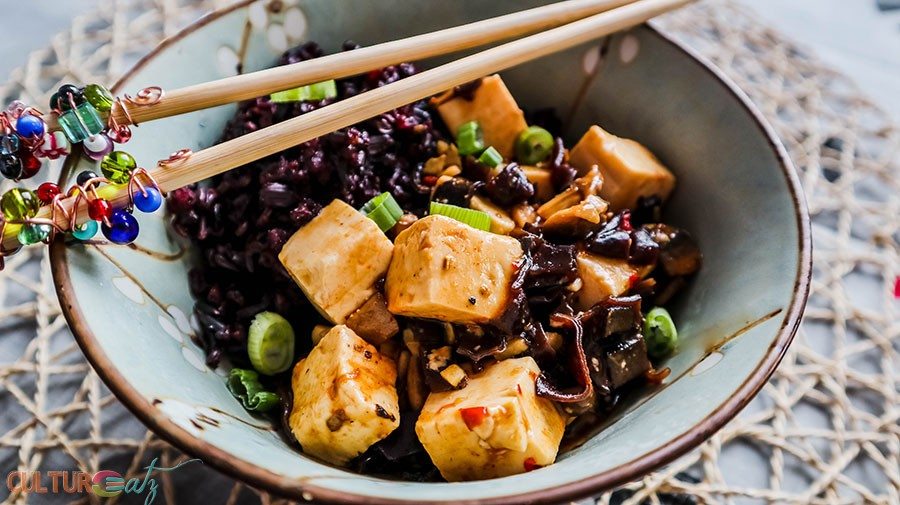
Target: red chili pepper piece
[
  {"x": 633, "y": 279},
  {"x": 530, "y": 464},
  {"x": 897, "y": 287},
  {"x": 429, "y": 180},
  {"x": 626, "y": 221},
  {"x": 473, "y": 416},
  {"x": 47, "y": 191},
  {"x": 99, "y": 209}
]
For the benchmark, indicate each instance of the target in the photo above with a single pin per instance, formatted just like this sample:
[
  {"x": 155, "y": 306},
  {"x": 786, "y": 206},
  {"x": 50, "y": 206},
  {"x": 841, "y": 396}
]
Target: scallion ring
[
  {"x": 384, "y": 210},
  {"x": 270, "y": 343},
  {"x": 534, "y": 145},
  {"x": 473, "y": 218},
  {"x": 469, "y": 139},
  {"x": 245, "y": 386},
  {"x": 490, "y": 157},
  {"x": 660, "y": 333},
  {"x": 309, "y": 93}
]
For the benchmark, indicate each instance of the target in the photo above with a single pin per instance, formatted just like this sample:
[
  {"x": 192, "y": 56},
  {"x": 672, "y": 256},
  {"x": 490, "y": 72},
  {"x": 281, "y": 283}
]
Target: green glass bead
[
  {"x": 75, "y": 129},
  {"x": 86, "y": 231},
  {"x": 99, "y": 97},
  {"x": 34, "y": 233},
  {"x": 117, "y": 166},
  {"x": 19, "y": 204}
]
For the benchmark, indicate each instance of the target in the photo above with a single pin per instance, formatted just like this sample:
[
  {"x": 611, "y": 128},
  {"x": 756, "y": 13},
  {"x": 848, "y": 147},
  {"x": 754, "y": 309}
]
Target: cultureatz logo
[{"x": 105, "y": 483}]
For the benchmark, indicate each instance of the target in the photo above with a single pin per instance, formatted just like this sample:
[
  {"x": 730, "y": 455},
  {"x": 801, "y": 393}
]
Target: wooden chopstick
[
  {"x": 267, "y": 141},
  {"x": 339, "y": 65}
]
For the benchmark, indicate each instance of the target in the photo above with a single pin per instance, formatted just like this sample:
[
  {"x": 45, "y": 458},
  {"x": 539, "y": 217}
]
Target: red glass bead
[
  {"x": 47, "y": 191},
  {"x": 99, "y": 209},
  {"x": 30, "y": 166}
]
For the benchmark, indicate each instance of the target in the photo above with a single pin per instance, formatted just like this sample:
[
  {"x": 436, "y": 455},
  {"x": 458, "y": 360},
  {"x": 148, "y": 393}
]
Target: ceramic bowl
[{"x": 130, "y": 307}]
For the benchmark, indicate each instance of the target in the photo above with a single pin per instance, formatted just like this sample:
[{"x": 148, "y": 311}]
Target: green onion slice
[
  {"x": 490, "y": 157},
  {"x": 270, "y": 343},
  {"x": 384, "y": 210},
  {"x": 245, "y": 386},
  {"x": 469, "y": 139},
  {"x": 534, "y": 145},
  {"x": 473, "y": 218},
  {"x": 660, "y": 333},
  {"x": 312, "y": 92}
]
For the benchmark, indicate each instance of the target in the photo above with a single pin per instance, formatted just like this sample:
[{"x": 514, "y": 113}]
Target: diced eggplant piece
[
  {"x": 336, "y": 260},
  {"x": 443, "y": 269},
  {"x": 495, "y": 427},
  {"x": 345, "y": 397},
  {"x": 373, "y": 321},
  {"x": 494, "y": 108},
  {"x": 630, "y": 171},
  {"x": 627, "y": 360},
  {"x": 501, "y": 223}
]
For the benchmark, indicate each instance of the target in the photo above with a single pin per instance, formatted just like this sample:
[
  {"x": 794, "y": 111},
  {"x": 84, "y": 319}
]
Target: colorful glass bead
[
  {"x": 99, "y": 97},
  {"x": 73, "y": 127},
  {"x": 15, "y": 108},
  {"x": 55, "y": 144},
  {"x": 34, "y": 233},
  {"x": 28, "y": 126},
  {"x": 9, "y": 144},
  {"x": 117, "y": 166},
  {"x": 47, "y": 191},
  {"x": 30, "y": 166},
  {"x": 19, "y": 204},
  {"x": 85, "y": 176},
  {"x": 11, "y": 166},
  {"x": 86, "y": 231},
  {"x": 60, "y": 99},
  {"x": 123, "y": 227},
  {"x": 97, "y": 146},
  {"x": 149, "y": 200},
  {"x": 99, "y": 209}
]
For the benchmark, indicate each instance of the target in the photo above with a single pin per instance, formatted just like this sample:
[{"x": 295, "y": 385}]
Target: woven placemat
[{"x": 826, "y": 429}]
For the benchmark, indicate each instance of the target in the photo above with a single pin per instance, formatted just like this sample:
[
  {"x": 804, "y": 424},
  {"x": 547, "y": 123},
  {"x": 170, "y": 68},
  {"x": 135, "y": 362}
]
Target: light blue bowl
[{"x": 737, "y": 193}]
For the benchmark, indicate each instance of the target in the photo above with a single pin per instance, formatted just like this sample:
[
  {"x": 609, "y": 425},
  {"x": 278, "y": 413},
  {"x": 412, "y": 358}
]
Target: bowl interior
[{"x": 130, "y": 306}]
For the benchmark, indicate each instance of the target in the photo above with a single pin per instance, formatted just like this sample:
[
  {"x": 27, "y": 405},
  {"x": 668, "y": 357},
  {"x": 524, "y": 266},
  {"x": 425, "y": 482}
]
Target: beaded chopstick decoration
[{"x": 86, "y": 116}]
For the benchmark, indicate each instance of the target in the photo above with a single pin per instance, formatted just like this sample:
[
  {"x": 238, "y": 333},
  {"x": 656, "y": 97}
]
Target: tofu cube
[
  {"x": 542, "y": 180},
  {"x": 494, "y": 108},
  {"x": 494, "y": 427},
  {"x": 501, "y": 223},
  {"x": 336, "y": 260},
  {"x": 601, "y": 278},
  {"x": 345, "y": 399},
  {"x": 446, "y": 270},
  {"x": 629, "y": 169}
]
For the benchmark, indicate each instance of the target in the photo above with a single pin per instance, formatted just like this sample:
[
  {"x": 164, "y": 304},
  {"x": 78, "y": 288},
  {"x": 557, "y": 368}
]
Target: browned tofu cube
[
  {"x": 629, "y": 169},
  {"x": 446, "y": 270},
  {"x": 494, "y": 108},
  {"x": 494, "y": 427},
  {"x": 601, "y": 278},
  {"x": 373, "y": 321},
  {"x": 542, "y": 180},
  {"x": 336, "y": 260}
]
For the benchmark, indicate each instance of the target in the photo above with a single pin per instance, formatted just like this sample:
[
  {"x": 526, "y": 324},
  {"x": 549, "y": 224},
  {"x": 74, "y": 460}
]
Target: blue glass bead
[
  {"x": 28, "y": 126},
  {"x": 123, "y": 227},
  {"x": 151, "y": 202},
  {"x": 86, "y": 231}
]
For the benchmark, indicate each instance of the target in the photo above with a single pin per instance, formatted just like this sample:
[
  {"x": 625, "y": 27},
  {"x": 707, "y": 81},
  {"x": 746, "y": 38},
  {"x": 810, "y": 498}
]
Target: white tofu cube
[
  {"x": 336, "y": 260},
  {"x": 345, "y": 397},
  {"x": 443, "y": 269},
  {"x": 494, "y": 108},
  {"x": 494, "y": 427},
  {"x": 629, "y": 169},
  {"x": 601, "y": 278}
]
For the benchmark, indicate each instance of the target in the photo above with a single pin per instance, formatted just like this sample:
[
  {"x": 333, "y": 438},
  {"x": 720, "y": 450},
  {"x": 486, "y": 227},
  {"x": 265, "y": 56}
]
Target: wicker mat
[{"x": 824, "y": 430}]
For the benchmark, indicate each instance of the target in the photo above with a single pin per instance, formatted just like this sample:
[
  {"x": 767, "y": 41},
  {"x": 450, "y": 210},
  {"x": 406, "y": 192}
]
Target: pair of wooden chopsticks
[{"x": 587, "y": 20}]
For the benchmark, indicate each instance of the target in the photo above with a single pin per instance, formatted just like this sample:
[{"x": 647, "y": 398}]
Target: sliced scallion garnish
[
  {"x": 534, "y": 145},
  {"x": 490, "y": 157},
  {"x": 245, "y": 386},
  {"x": 660, "y": 333},
  {"x": 309, "y": 93},
  {"x": 384, "y": 210},
  {"x": 473, "y": 218},
  {"x": 270, "y": 343},
  {"x": 469, "y": 139}
]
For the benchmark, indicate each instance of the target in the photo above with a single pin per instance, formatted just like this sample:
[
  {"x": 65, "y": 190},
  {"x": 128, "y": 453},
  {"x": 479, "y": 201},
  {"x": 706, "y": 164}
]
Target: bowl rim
[{"x": 299, "y": 489}]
